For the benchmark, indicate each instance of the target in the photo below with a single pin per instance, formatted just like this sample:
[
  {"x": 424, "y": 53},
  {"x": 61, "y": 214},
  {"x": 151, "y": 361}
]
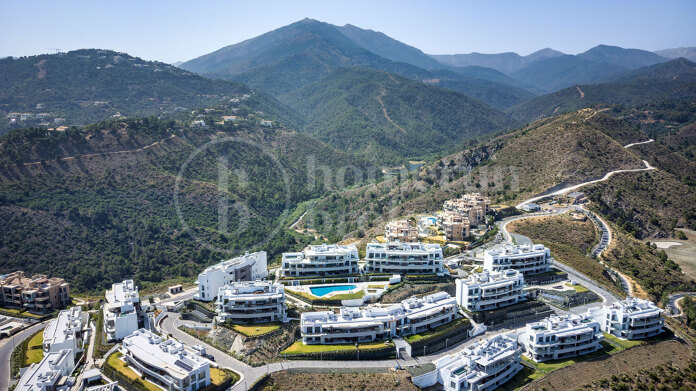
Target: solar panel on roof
[{"x": 182, "y": 364}]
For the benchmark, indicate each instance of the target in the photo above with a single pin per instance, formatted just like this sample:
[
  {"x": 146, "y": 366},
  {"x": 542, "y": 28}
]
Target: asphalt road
[
  {"x": 7, "y": 345},
  {"x": 672, "y": 305}
]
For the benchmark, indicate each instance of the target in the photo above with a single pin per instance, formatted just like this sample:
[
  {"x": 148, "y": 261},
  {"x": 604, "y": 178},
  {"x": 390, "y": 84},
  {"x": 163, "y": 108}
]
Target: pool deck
[{"x": 359, "y": 286}]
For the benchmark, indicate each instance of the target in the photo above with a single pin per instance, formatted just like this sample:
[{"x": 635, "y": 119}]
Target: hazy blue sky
[{"x": 180, "y": 30}]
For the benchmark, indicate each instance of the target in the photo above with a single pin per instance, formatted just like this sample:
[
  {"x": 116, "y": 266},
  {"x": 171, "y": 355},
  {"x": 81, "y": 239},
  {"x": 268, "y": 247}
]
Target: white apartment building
[
  {"x": 368, "y": 324},
  {"x": 561, "y": 337},
  {"x": 321, "y": 261},
  {"x": 404, "y": 258},
  {"x": 526, "y": 259},
  {"x": 400, "y": 230},
  {"x": 249, "y": 267},
  {"x": 632, "y": 318},
  {"x": 251, "y": 302},
  {"x": 482, "y": 366},
  {"x": 50, "y": 374},
  {"x": 122, "y": 312},
  {"x": 67, "y": 331},
  {"x": 165, "y": 362},
  {"x": 489, "y": 290}
]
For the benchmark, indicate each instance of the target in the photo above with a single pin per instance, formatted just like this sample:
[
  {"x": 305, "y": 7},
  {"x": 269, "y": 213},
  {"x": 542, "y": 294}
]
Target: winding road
[
  {"x": 7, "y": 346},
  {"x": 564, "y": 190}
]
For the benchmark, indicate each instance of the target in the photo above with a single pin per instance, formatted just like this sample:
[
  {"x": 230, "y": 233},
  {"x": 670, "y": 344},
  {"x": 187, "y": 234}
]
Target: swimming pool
[{"x": 325, "y": 290}]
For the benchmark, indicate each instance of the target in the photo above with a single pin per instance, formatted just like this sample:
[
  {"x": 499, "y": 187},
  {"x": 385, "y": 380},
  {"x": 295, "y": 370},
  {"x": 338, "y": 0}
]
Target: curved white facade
[
  {"x": 403, "y": 258},
  {"x": 251, "y": 302},
  {"x": 321, "y": 261},
  {"x": 527, "y": 260},
  {"x": 352, "y": 325},
  {"x": 489, "y": 290},
  {"x": 630, "y": 319},
  {"x": 482, "y": 366},
  {"x": 561, "y": 337}
]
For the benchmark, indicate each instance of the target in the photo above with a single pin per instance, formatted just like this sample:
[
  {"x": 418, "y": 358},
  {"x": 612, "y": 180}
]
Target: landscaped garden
[
  {"x": 255, "y": 330},
  {"x": 299, "y": 347},
  {"x": 440, "y": 330},
  {"x": 34, "y": 352}
]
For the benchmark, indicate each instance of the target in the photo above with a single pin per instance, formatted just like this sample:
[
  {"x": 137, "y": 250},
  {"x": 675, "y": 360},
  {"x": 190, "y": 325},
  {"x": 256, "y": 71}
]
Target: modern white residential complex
[
  {"x": 527, "y": 259},
  {"x": 50, "y": 374},
  {"x": 122, "y": 312},
  {"x": 165, "y": 362},
  {"x": 67, "y": 331},
  {"x": 561, "y": 337},
  {"x": 400, "y": 230},
  {"x": 489, "y": 290},
  {"x": 629, "y": 319},
  {"x": 248, "y": 267},
  {"x": 251, "y": 302},
  {"x": 321, "y": 261},
  {"x": 481, "y": 366},
  {"x": 403, "y": 258},
  {"x": 352, "y": 325}
]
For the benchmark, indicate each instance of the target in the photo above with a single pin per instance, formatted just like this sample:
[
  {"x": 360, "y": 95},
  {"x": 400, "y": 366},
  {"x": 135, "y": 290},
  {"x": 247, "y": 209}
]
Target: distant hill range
[
  {"x": 85, "y": 86},
  {"x": 672, "y": 80},
  {"x": 505, "y": 62},
  {"x": 550, "y": 70},
  {"x": 686, "y": 52}
]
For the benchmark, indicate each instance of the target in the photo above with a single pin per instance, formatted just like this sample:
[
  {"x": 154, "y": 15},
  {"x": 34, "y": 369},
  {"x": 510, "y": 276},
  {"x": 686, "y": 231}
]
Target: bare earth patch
[
  {"x": 684, "y": 254},
  {"x": 573, "y": 377}
]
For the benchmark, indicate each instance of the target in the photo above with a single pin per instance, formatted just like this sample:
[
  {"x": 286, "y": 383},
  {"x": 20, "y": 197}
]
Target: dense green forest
[
  {"x": 93, "y": 206},
  {"x": 384, "y": 117}
]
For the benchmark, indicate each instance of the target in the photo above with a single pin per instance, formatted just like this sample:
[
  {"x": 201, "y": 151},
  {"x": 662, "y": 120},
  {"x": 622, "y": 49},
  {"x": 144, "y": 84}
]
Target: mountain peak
[{"x": 628, "y": 58}]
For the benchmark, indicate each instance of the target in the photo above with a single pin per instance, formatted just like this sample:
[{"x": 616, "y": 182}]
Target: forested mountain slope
[
  {"x": 384, "y": 117},
  {"x": 84, "y": 86}
]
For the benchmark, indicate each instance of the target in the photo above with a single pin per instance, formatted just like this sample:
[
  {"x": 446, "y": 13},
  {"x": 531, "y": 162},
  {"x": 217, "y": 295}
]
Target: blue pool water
[{"x": 324, "y": 290}]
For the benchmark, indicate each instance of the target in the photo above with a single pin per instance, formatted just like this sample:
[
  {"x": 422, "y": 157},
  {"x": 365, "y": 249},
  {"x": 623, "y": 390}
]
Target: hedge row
[
  {"x": 348, "y": 355},
  {"x": 448, "y": 337}
]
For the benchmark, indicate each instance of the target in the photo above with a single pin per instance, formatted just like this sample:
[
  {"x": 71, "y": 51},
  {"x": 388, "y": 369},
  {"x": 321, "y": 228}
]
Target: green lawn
[
  {"x": 371, "y": 286},
  {"x": 522, "y": 378},
  {"x": 549, "y": 366},
  {"x": 299, "y": 347},
  {"x": 219, "y": 376},
  {"x": 255, "y": 330},
  {"x": 621, "y": 343},
  {"x": 115, "y": 362},
  {"x": 34, "y": 349},
  {"x": 578, "y": 288},
  {"x": 461, "y": 322},
  {"x": 18, "y": 312}
]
